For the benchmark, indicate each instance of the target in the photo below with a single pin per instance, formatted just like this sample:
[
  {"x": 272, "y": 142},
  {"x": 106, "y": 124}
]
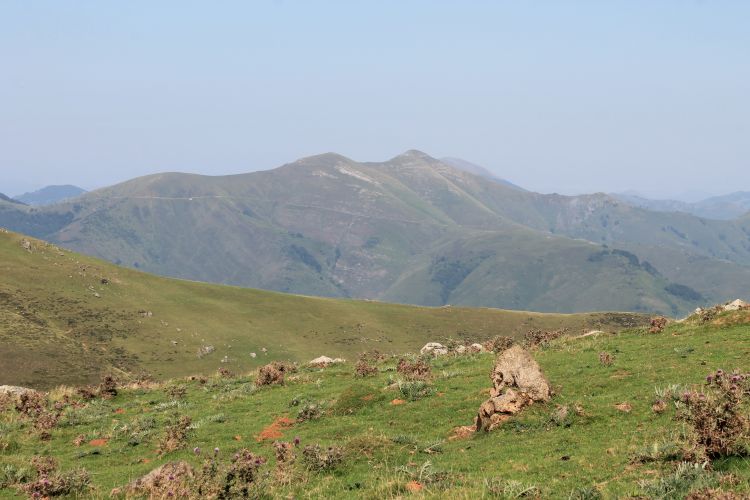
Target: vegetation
[
  {"x": 650, "y": 424},
  {"x": 69, "y": 319}
]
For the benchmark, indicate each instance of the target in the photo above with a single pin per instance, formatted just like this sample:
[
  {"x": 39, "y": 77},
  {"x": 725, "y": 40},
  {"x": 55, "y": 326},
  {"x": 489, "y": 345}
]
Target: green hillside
[
  {"x": 611, "y": 429},
  {"x": 329, "y": 226},
  {"x": 66, "y": 318}
]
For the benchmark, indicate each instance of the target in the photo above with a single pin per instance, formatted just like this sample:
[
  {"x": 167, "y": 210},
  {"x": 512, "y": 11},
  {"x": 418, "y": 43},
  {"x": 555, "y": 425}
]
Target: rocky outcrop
[
  {"x": 323, "y": 361},
  {"x": 517, "y": 382}
]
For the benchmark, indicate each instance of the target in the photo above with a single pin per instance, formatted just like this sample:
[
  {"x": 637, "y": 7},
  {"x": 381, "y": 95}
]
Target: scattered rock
[
  {"x": 517, "y": 382},
  {"x": 323, "y": 361},
  {"x": 253, "y": 355},
  {"x": 475, "y": 347},
  {"x": 735, "y": 305},
  {"x": 462, "y": 349},
  {"x": 14, "y": 390},
  {"x": 26, "y": 245},
  {"x": 434, "y": 349},
  {"x": 205, "y": 350}
]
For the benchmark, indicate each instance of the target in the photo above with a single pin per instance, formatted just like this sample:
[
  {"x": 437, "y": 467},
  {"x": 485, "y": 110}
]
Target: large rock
[
  {"x": 434, "y": 349},
  {"x": 735, "y": 305},
  {"x": 517, "y": 382},
  {"x": 323, "y": 361},
  {"x": 14, "y": 390}
]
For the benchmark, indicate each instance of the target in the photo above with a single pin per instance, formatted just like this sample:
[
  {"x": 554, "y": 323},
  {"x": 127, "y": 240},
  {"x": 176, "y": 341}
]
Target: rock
[
  {"x": 475, "y": 347},
  {"x": 462, "y": 349},
  {"x": 253, "y": 355},
  {"x": 434, "y": 348},
  {"x": 323, "y": 361},
  {"x": 14, "y": 390},
  {"x": 26, "y": 245},
  {"x": 735, "y": 305},
  {"x": 517, "y": 382}
]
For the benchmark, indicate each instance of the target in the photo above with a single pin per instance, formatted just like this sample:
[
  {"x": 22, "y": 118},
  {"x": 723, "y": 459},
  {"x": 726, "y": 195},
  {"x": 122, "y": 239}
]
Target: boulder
[
  {"x": 14, "y": 390},
  {"x": 735, "y": 305},
  {"x": 462, "y": 349},
  {"x": 323, "y": 361},
  {"x": 475, "y": 347},
  {"x": 434, "y": 349},
  {"x": 517, "y": 382}
]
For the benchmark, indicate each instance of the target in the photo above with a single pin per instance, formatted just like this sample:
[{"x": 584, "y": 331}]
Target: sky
[{"x": 556, "y": 96}]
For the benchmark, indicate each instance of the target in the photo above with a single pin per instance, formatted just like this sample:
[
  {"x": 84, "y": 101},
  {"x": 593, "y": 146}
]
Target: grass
[
  {"x": 388, "y": 448},
  {"x": 66, "y": 319}
]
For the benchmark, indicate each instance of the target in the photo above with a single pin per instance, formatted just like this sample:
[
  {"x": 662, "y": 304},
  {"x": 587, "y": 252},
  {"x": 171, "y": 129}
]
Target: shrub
[
  {"x": 606, "y": 359},
  {"x": 225, "y": 373},
  {"x": 315, "y": 458},
  {"x": 720, "y": 414},
  {"x": 107, "y": 387},
  {"x": 50, "y": 483},
  {"x": 418, "y": 370},
  {"x": 509, "y": 488},
  {"x": 416, "y": 389},
  {"x": 309, "y": 411},
  {"x": 176, "y": 391},
  {"x": 499, "y": 343},
  {"x": 10, "y": 475},
  {"x": 541, "y": 338},
  {"x": 354, "y": 398},
  {"x": 175, "y": 434},
  {"x": 273, "y": 373},
  {"x": 364, "y": 369},
  {"x": 657, "y": 324}
]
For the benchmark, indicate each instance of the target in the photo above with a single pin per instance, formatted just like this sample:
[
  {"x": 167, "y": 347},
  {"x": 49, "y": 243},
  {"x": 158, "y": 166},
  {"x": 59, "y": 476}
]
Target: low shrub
[
  {"x": 657, "y": 324},
  {"x": 606, "y": 359},
  {"x": 541, "y": 338},
  {"x": 175, "y": 434},
  {"x": 318, "y": 459},
  {"x": 719, "y": 415},
  {"x": 417, "y": 370},
  {"x": 677, "y": 485},
  {"x": 414, "y": 390},
  {"x": 499, "y": 343},
  {"x": 364, "y": 369}
]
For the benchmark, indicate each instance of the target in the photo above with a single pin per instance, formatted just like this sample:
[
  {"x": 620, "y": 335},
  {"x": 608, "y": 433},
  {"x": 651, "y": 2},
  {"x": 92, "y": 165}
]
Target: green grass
[
  {"x": 60, "y": 324},
  {"x": 386, "y": 446}
]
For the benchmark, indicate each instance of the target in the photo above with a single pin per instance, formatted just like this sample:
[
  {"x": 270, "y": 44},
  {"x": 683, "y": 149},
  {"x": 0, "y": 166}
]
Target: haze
[{"x": 565, "y": 97}]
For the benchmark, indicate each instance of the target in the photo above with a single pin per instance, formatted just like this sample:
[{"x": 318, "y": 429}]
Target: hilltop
[
  {"x": 412, "y": 229},
  {"x": 67, "y": 318},
  {"x": 611, "y": 430}
]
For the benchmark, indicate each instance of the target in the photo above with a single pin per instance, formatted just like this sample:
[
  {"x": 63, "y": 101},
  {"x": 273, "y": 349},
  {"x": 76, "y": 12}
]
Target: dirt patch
[
  {"x": 274, "y": 431},
  {"x": 414, "y": 487},
  {"x": 368, "y": 397},
  {"x": 624, "y": 407},
  {"x": 397, "y": 402},
  {"x": 98, "y": 442}
]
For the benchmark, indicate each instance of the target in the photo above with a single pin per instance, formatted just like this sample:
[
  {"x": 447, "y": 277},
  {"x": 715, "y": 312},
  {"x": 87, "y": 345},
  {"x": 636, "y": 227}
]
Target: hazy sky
[{"x": 557, "y": 96}]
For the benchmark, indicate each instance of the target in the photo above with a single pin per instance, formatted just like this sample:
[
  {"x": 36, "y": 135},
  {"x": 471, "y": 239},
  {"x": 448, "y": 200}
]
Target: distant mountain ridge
[
  {"x": 475, "y": 169},
  {"x": 412, "y": 229},
  {"x": 725, "y": 207},
  {"x": 50, "y": 194},
  {"x": 9, "y": 199}
]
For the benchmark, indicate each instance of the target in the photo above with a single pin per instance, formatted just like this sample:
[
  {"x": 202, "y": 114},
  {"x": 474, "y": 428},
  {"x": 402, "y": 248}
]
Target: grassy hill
[
  {"x": 329, "y": 226},
  {"x": 67, "y": 318},
  {"x": 599, "y": 437}
]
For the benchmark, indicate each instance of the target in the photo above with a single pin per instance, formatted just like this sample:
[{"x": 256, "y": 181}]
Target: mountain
[
  {"x": 8, "y": 199},
  {"x": 50, "y": 194},
  {"x": 66, "y": 318},
  {"x": 726, "y": 207},
  {"x": 412, "y": 229},
  {"x": 475, "y": 169}
]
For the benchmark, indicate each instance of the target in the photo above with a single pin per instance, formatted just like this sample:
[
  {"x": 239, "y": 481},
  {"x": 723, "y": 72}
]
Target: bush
[
  {"x": 418, "y": 370},
  {"x": 364, "y": 369},
  {"x": 273, "y": 373},
  {"x": 606, "y": 359},
  {"x": 355, "y": 398},
  {"x": 499, "y": 344},
  {"x": 50, "y": 483},
  {"x": 720, "y": 414},
  {"x": 309, "y": 411},
  {"x": 416, "y": 389},
  {"x": 317, "y": 459},
  {"x": 657, "y": 324},
  {"x": 175, "y": 434},
  {"x": 107, "y": 387},
  {"x": 541, "y": 338}
]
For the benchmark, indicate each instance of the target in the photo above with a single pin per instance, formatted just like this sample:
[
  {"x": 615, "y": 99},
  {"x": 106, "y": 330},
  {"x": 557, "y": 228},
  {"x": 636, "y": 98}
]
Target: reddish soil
[{"x": 274, "y": 431}]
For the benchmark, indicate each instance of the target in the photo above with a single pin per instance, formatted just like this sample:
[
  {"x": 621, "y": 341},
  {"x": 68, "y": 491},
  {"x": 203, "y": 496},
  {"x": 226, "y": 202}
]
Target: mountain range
[
  {"x": 50, "y": 194},
  {"x": 413, "y": 229},
  {"x": 725, "y": 207}
]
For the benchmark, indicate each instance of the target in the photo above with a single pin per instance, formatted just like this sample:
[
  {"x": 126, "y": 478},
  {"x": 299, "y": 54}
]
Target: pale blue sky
[{"x": 565, "y": 96}]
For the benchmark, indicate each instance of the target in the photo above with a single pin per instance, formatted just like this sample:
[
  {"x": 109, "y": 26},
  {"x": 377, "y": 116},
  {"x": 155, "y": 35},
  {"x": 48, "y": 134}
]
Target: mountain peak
[{"x": 414, "y": 154}]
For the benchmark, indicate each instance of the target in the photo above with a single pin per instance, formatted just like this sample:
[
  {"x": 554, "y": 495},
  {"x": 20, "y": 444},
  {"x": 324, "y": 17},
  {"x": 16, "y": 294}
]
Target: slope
[{"x": 66, "y": 318}]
